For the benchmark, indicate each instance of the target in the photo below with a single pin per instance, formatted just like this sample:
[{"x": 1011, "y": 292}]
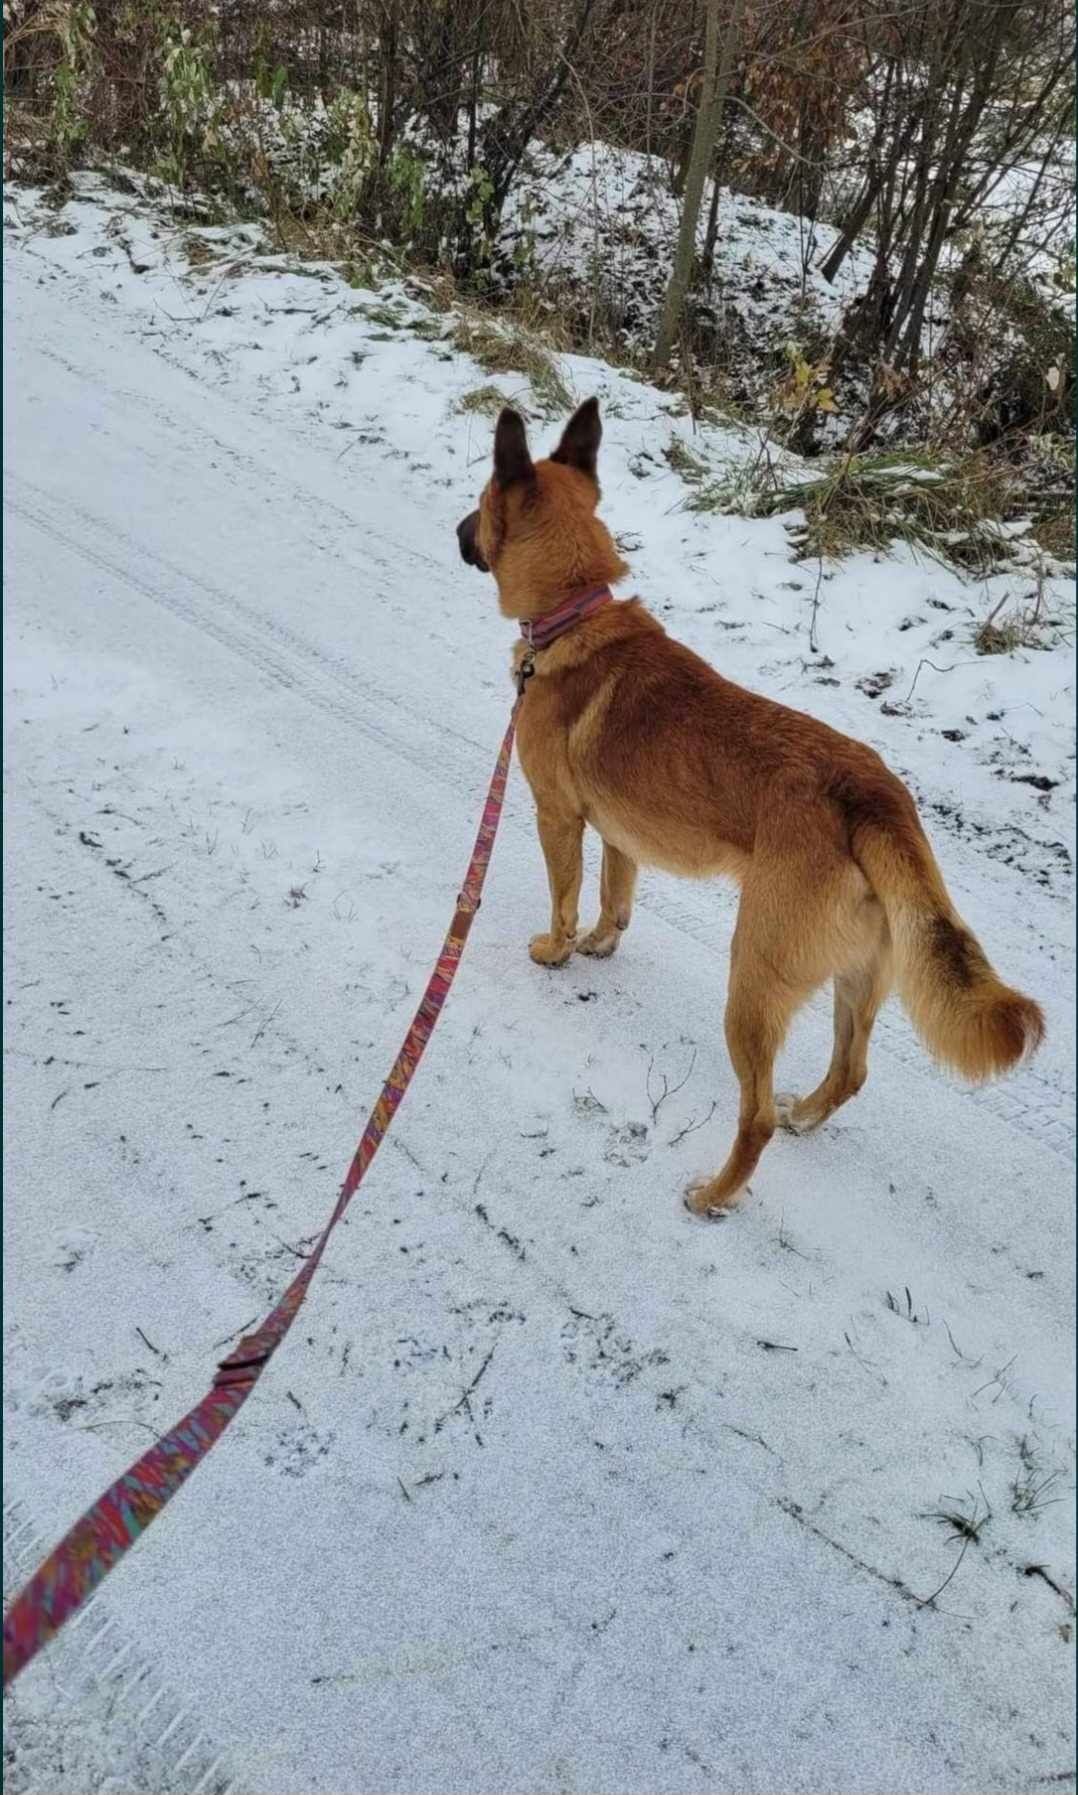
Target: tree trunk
[
  {"x": 473, "y": 96},
  {"x": 852, "y": 226},
  {"x": 388, "y": 96},
  {"x": 708, "y": 123},
  {"x": 711, "y": 236}
]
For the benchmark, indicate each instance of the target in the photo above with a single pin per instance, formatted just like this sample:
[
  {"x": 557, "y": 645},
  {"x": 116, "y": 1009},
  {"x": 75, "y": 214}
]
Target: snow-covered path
[{"x": 676, "y": 1535}]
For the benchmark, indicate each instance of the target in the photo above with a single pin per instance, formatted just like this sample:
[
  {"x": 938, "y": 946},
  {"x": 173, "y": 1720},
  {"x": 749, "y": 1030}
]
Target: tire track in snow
[{"x": 1029, "y": 1103}]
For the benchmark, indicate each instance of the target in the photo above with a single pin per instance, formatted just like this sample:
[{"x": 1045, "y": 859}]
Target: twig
[
  {"x": 668, "y": 1090},
  {"x": 154, "y": 1349},
  {"x": 1038, "y": 1570},
  {"x": 261, "y": 1031},
  {"x": 295, "y": 1252},
  {"x": 926, "y": 1601},
  {"x": 813, "y": 646},
  {"x": 959, "y": 1353},
  {"x": 93, "y": 1427},
  {"x": 995, "y": 611},
  {"x": 865, "y": 1364},
  {"x": 464, "y": 1400},
  {"x": 935, "y": 669},
  {"x": 482, "y": 1169},
  {"x": 229, "y": 1337},
  {"x": 743, "y": 1434},
  {"x": 692, "y": 1127},
  {"x": 996, "y": 1378}
]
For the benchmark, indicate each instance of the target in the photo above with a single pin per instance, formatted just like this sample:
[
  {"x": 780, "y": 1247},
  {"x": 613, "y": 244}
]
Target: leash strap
[{"x": 97, "y": 1542}]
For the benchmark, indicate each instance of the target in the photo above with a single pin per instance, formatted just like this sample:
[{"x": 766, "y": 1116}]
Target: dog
[{"x": 627, "y": 730}]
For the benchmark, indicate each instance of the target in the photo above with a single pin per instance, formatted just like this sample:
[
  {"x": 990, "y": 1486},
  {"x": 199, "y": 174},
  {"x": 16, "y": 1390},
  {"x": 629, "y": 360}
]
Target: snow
[
  {"x": 598, "y": 221},
  {"x": 608, "y": 213},
  {"x": 681, "y": 1535}
]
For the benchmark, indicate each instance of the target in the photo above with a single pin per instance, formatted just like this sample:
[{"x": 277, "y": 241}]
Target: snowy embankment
[{"x": 681, "y": 1532}]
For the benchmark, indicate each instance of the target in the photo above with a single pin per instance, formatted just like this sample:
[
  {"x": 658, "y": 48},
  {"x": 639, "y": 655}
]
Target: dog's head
[{"x": 533, "y": 501}]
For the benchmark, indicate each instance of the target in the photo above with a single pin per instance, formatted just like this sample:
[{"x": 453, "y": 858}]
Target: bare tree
[{"x": 709, "y": 113}]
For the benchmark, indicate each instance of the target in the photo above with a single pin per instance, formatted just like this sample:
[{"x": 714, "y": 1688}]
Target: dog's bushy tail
[{"x": 964, "y": 1013}]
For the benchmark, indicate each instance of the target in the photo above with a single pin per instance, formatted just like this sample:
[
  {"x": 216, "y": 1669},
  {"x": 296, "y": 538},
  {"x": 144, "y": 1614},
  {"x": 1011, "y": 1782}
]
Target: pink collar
[{"x": 540, "y": 632}]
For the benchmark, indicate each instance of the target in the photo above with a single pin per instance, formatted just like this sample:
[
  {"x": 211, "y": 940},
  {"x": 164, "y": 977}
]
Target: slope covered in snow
[{"x": 551, "y": 1488}]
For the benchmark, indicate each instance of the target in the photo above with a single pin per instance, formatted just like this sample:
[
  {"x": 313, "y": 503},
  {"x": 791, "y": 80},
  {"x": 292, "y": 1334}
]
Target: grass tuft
[
  {"x": 1053, "y": 531},
  {"x": 681, "y": 458},
  {"x": 1030, "y": 1490},
  {"x": 483, "y": 401},
  {"x": 905, "y": 1308},
  {"x": 513, "y": 351},
  {"x": 1027, "y": 622},
  {"x": 965, "y": 1526},
  {"x": 869, "y": 501}
]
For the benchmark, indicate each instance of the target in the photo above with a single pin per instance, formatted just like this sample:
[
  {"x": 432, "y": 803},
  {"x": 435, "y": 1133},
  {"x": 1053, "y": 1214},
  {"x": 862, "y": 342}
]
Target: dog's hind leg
[
  {"x": 617, "y": 882},
  {"x": 859, "y": 991},
  {"x": 758, "y": 1012},
  {"x": 794, "y": 924}
]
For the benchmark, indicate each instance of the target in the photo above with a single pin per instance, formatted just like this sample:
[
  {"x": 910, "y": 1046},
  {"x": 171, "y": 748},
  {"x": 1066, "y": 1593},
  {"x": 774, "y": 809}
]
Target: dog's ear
[
  {"x": 579, "y": 446},
  {"x": 512, "y": 463}
]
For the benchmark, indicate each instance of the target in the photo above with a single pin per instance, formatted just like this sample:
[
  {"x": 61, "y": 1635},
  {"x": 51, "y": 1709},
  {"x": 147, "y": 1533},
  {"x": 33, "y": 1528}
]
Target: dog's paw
[
  {"x": 600, "y": 943},
  {"x": 700, "y": 1199},
  {"x": 546, "y": 951},
  {"x": 785, "y": 1104}
]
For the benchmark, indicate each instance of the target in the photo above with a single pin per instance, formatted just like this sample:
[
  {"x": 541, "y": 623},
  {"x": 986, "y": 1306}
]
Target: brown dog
[{"x": 675, "y": 767}]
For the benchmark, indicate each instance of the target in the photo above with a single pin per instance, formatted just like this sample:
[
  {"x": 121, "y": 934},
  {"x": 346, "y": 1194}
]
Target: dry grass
[
  {"x": 681, "y": 458},
  {"x": 1030, "y": 1490},
  {"x": 1032, "y": 621},
  {"x": 197, "y": 253},
  {"x": 1053, "y": 531},
  {"x": 483, "y": 401},
  {"x": 869, "y": 501},
  {"x": 505, "y": 349},
  {"x": 963, "y": 1525}
]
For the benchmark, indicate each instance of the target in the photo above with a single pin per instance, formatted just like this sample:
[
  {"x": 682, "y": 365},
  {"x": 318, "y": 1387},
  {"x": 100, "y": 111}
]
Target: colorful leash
[{"x": 99, "y": 1540}]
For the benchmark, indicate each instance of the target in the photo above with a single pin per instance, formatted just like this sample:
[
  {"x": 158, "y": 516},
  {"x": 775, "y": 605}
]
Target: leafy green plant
[
  {"x": 271, "y": 84},
  {"x": 350, "y": 145},
  {"x": 406, "y": 176},
  {"x": 804, "y": 388},
  {"x": 480, "y": 194},
  {"x": 76, "y": 27},
  {"x": 58, "y": 132},
  {"x": 189, "y": 102}
]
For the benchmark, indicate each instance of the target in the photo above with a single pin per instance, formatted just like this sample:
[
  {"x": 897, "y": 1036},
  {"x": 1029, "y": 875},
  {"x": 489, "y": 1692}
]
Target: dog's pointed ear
[
  {"x": 579, "y": 446},
  {"x": 512, "y": 462}
]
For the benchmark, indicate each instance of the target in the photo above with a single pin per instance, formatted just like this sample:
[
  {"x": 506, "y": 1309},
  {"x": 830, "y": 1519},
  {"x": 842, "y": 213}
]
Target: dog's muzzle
[{"x": 469, "y": 547}]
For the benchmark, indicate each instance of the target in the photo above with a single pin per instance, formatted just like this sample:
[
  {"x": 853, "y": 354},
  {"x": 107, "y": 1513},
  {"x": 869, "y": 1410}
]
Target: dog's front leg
[
  {"x": 562, "y": 836},
  {"x": 616, "y": 886}
]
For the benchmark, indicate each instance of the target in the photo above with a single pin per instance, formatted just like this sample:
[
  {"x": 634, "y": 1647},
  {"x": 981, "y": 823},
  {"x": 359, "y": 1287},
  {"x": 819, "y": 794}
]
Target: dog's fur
[{"x": 675, "y": 767}]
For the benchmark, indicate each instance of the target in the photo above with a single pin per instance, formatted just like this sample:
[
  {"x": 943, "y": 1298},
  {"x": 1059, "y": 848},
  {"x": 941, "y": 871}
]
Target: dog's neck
[
  {"x": 541, "y": 632},
  {"x": 548, "y": 569}
]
